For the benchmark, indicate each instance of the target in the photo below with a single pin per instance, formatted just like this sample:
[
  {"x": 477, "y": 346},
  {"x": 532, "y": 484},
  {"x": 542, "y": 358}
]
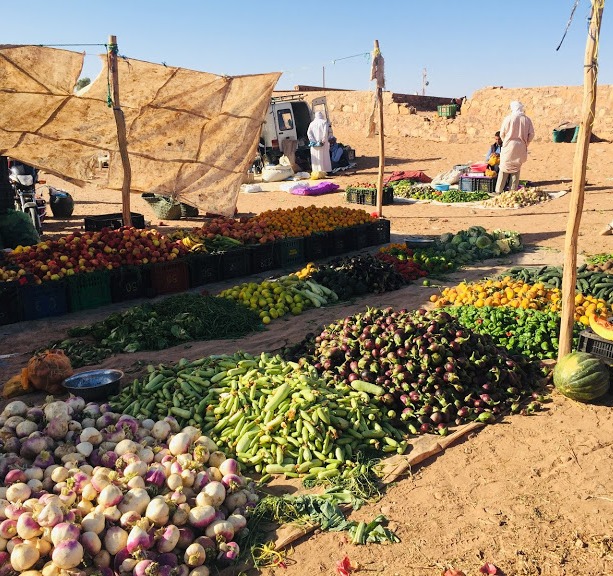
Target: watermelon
[{"x": 581, "y": 376}]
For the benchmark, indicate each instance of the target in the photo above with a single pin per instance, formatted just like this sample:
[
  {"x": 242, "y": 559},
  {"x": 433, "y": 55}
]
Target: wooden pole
[
  {"x": 590, "y": 82},
  {"x": 381, "y": 145},
  {"x": 122, "y": 140}
]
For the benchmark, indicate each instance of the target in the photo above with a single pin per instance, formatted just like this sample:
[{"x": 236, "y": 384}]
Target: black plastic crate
[
  {"x": 263, "y": 256},
  {"x": 368, "y": 196},
  {"x": 379, "y": 232},
  {"x": 128, "y": 283},
  {"x": 340, "y": 241},
  {"x": 44, "y": 300},
  {"x": 169, "y": 277},
  {"x": 10, "y": 303},
  {"x": 203, "y": 269},
  {"x": 290, "y": 252},
  {"x": 594, "y": 344},
  {"x": 359, "y": 236},
  {"x": 114, "y": 221},
  {"x": 316, "y": 246},
  {"x": 477, "y": 184},
  {"x": 235, "y": 263}
]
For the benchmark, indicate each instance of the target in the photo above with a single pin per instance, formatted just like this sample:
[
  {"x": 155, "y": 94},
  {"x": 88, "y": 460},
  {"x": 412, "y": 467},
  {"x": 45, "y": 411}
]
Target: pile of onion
[{"x": 83, "y": 487}]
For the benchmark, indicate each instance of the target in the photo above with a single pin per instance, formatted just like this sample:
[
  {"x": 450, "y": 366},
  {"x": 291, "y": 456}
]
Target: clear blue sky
[{"x": 464, "y": 45}]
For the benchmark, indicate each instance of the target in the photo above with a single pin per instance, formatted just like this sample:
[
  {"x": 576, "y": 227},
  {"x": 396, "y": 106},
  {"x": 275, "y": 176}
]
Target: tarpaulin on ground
[
  {"x": 415, "y": 175},
  {"x": 191, "y": 135}
]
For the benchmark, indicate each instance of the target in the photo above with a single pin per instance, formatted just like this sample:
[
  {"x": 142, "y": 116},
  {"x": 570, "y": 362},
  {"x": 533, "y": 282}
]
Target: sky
[{"x": 463, "y": 46}]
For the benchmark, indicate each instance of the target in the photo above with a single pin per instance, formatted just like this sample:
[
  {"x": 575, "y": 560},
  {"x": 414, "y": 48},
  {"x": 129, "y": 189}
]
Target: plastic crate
[
  {"x": 379, "y": 232},
  {"x": 447, "y": 110},
  {"x": 290, "y": 252},
  {"x": 340, "y": 241},
  {"x": 128, "y": 283},
  {"x": 89, "y": 290},
  {"x": 10, "y": 303},
  {"x": 169, "y": 277},
  {"x": 477, "y": 184},
  {"x": 368, "y": 196},
  {"x": 316, "y": 246},
  {"x": 203, "y": 269},
  {"x": 44, "y": 300},
  {"x": 359, "y": 235},
  {"x": 235, "y": 263},
  {"x": 262, "y": 256},
  {"x": 594, "y": 344},
  {"x": 114, "y": 221}
]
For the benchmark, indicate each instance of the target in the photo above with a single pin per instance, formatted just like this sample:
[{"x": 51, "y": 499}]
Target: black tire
[{"x": 33, "y": 214}]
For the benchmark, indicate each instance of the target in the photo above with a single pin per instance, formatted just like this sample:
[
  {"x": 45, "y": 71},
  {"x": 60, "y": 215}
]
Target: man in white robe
[
  {"x": 318, "y": 133},
  {"x": 516, "y": 132}
]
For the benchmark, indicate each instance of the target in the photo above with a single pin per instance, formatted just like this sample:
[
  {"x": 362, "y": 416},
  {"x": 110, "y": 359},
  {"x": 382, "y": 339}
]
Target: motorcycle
[{"x": 25, "y": 197}]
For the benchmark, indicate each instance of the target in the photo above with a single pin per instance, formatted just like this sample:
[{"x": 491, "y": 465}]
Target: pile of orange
[
  {"x": 307, "y": 220},
  {"x": 518, "y": 294}
]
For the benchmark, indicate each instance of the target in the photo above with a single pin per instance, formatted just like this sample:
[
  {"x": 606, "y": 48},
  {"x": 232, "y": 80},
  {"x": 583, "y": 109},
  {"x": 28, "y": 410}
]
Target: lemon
[{"x": 266, "y": 320}]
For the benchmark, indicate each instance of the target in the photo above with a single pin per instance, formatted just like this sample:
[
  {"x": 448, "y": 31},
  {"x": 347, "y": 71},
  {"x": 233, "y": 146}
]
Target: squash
[
  {"x": 581, "y": 376},
  {"x": 601, "y": 327}
]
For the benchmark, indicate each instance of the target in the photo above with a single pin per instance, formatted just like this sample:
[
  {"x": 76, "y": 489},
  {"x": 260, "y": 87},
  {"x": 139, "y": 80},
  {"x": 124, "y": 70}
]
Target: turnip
[
  {"x": 24, "y": 556},
  {"x": 157, "y": 511},
  {"x": 15, "y": 408},
  {"x": 115, "y": 540},
  {"x": 67, "y": 554},
  {"x": 179, "y": 443},
  {"x": 194, "y": 555},
  {"x": 91, "y": 543},
  {"x": 201, "y": 516}
]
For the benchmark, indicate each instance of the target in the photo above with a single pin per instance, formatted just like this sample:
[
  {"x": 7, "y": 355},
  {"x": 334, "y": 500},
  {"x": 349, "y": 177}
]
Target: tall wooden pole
[
  {"x": 381, "y": 144},
  {"x": 122, "y": 140},
  {"x": 590, "y": 81}
]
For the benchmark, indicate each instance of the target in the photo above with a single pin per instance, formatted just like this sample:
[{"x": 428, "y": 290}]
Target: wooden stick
[
  {"x": 122, "y": 139},
  {"x": 381, "y": 146},
  {"x": 590, "y": 82}
]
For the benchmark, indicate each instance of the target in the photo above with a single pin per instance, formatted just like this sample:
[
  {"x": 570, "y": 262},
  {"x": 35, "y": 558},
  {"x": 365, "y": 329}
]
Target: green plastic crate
[
  {"x": 447, "y": 110},
  {"x": 89, "y": 290}
]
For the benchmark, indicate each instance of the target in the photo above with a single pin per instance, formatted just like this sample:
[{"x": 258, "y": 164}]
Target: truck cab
[{"x": 288, "y": 118}]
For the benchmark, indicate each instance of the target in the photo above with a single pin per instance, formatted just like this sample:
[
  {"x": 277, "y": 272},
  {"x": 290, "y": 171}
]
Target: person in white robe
[
  {"x": 318, "y": 133},
  {"x": 516, "y": 132}
]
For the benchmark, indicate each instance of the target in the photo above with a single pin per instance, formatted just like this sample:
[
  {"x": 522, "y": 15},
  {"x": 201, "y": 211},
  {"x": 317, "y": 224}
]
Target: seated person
[
  {"x": 338, "y": 154},
  {"x": 493, "y": 154}
]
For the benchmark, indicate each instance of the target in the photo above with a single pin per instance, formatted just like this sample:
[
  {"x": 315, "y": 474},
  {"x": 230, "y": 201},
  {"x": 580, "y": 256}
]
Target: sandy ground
[{"x": 534, "y": 495}]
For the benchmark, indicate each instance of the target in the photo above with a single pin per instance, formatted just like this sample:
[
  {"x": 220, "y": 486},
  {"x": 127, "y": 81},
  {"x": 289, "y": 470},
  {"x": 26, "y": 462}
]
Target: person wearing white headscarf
[
  {"x": 516, "y": 132},
  {"x": 318, "y": 133}
]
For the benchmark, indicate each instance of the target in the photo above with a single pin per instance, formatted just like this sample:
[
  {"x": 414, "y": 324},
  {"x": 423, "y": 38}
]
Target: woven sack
[{"x": 163, "y": 207}]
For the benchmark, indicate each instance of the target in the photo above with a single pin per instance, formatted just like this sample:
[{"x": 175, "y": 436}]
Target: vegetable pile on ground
[
  {"x": 532, "y": 333},
  {"x": 275, "y": 416},
  {"x": 407, "y": 189},
  {"x": 86, "y": 487},
  {"x": 274, "y": 298},
  {"x": 426, "y": 367},
  {"x": 600, "y": 263},
  {"x": 589, "y": 282},
  {"x": 517, "y": 198},
  {"x": 156, "y": 326},
  {"x": 518, "y": 294},
  {"x": 401, "y": 258},
  {"x": 356, "y": 275}
]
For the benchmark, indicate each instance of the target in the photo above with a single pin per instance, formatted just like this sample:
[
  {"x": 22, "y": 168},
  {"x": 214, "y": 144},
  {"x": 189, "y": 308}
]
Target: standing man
[
  {"x": 318, "y": 133},
  {"x": 516, "y": 133}
]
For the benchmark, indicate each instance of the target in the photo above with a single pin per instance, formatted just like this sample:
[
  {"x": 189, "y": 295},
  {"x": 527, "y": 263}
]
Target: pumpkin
[
  {"x": 602, "y": 327},
  {"x": 581, "y": 376}
]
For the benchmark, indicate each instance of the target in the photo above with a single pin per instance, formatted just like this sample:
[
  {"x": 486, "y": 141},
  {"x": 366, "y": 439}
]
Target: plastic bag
[
  {"x": 47, "y": 370},
  {"x": 290, "y": 186},
  {"x": 284, "y": 161},
  {"x": 272, "y": 173},
  {"x": 450, "y": 177},
  {"x": 318, "y": 175},
  {"x": 302, "y": 176},
  {"x": 251, "y": 188},
  {"x": 16, "y": 386}
]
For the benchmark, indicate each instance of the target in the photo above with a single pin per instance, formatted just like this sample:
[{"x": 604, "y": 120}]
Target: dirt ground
[{"x": 533, "y": 495}]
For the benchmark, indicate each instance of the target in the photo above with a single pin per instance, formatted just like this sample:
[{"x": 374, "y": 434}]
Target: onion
[
  {"x": 64, "y": 531},
  {"x": 115, "y": 540},
  {"x": 91, "y": 543},
  {"x": 194, "y": 555},
  {"x": 67, "y": 554},
  {"x": 24, "y": 556}
]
